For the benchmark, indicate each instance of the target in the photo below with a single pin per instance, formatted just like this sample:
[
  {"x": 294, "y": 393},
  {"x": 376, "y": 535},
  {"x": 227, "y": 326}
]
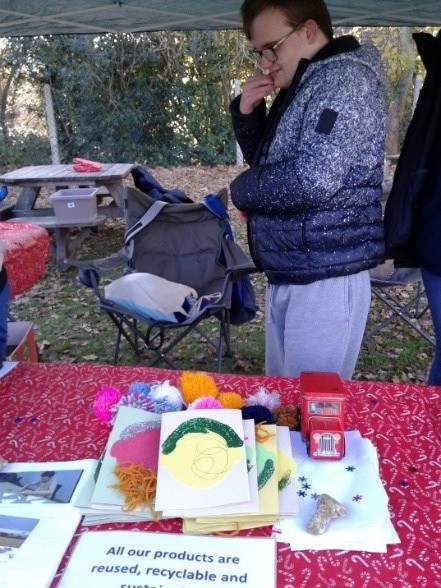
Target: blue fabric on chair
[{"x": 145, "y": 182}]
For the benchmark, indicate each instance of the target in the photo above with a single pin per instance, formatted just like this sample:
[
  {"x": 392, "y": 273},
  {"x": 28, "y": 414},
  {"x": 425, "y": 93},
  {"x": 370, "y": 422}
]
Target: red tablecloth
[
  {"x": 26, "y": 252},
  {"x": 45, "y": 411}
]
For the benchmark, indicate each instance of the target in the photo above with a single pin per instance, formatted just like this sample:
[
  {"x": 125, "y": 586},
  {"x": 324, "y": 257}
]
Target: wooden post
[
  {"x": 239, "y": 154},
  {"x": 51, "y": 126}
]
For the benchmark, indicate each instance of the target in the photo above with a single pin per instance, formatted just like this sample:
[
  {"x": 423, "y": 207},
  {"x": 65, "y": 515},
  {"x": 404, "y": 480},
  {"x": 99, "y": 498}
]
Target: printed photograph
[
  {"x": 49, "y": 486},
  {"x": 13, "y": 533}
]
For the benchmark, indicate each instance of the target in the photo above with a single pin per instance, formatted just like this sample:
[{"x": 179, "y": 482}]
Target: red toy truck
[{"x": 322, "y": 412}]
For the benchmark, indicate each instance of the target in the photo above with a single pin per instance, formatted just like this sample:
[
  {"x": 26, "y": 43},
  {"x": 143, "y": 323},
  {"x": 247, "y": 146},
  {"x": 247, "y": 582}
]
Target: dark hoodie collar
[{"x": 336, "y": 46}]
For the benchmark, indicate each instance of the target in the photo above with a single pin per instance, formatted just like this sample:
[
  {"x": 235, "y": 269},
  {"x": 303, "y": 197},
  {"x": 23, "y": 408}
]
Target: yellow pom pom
[
  {"x": 196, "y": 384},
  {"x": 231, "y": 400}
]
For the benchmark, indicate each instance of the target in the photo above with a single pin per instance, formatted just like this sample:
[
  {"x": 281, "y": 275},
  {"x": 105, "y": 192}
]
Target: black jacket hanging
[{"x": 413, "y": 210}]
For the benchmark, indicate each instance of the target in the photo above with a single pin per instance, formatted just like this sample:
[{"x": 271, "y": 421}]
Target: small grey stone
[{"x": 327, "y": 509}]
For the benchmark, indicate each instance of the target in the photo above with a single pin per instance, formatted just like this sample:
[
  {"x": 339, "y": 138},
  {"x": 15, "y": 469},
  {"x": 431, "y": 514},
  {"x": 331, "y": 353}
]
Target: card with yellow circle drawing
[{"x": 202, "y": 459}]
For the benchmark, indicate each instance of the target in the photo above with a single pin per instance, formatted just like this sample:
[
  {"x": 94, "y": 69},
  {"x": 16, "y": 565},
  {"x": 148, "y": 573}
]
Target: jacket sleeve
[
  {"x": 315, "y": 164},
  {"x": 248, "y": 128}
]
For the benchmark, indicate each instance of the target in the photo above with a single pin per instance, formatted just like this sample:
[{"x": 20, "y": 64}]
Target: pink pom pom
[
  {"x": 104, "y": 400},
  {"x": 205, "y": 402}
]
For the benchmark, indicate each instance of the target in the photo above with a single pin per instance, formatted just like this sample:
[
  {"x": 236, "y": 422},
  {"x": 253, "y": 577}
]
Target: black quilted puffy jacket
[{"x": 313, "y": 190}]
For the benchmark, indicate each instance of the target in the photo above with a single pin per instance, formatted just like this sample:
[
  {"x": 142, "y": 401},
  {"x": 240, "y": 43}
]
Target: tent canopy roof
[{"x": 38, "y": 17}]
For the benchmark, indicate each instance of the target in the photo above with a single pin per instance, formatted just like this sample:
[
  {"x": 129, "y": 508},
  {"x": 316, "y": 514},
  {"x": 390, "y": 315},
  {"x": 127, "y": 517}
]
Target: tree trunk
[
  {"x": 404, "y": 93},
  {"x": 4, "y": 95}
]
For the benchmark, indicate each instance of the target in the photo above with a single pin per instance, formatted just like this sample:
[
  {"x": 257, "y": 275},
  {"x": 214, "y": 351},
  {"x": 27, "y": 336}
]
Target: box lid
[{"x": 74, "y": 193}]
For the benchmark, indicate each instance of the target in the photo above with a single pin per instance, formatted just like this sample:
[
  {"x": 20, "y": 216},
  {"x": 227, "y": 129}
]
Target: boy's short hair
[{"x": 296, "y": 12}]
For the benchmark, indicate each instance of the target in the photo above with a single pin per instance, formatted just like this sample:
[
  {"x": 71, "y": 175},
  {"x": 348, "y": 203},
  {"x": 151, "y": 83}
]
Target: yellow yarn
[
  {"x": 195, "y": 385},
  {"x": 230, "y": 400},
  {"x": 262, "y": 435}
]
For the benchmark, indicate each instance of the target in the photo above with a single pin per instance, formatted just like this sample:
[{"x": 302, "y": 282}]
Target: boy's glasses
[{"x": 270, "y": 52}]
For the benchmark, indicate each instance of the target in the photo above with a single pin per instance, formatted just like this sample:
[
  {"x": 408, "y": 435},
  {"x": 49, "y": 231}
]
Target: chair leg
[
  {"x": 153, "y": 339},
  {"x": 133, "y": 339},
  {"x": 226, "y": 325},
  {"x": 404, "y": 312},
  {"x": 117, "y": 346}
]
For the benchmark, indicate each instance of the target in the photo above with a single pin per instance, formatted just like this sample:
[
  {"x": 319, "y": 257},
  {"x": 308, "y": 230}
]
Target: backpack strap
[
  {"x": 216, "y": 206},
  {"x": 145, "y": 220}
]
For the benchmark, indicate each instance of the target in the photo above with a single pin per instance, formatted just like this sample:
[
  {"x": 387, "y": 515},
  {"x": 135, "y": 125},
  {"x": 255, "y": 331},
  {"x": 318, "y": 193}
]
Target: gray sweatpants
[{"x": 317, "y": 326}]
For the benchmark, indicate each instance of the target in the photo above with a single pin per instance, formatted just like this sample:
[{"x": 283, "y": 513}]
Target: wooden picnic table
[{"x": 31, "y": 179}]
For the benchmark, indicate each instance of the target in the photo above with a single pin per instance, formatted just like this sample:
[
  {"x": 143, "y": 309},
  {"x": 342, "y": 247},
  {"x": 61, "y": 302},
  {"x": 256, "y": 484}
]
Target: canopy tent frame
[{"x": 55, "y": 17}]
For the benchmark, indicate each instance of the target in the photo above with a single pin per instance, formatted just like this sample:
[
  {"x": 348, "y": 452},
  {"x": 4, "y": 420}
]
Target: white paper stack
[{"x": 355, "y": 483}]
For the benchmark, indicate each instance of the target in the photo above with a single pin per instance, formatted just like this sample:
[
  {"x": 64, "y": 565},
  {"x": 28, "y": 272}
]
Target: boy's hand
[{"x": 254, "y": 90}]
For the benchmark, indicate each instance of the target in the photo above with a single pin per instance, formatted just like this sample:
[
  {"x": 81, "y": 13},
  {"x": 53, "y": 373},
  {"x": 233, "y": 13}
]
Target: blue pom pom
[
  {"x": 258, "y": 413},
  {"x": 140, "y": 388}
]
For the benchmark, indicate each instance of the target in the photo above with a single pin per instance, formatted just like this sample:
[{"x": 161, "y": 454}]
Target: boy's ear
[{"x": 312, "y": 30}]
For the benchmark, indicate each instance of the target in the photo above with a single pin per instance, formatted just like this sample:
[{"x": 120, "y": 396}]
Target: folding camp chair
[
  {"x": 184, "y": 243},
  {"x": 386, "y": 283}
]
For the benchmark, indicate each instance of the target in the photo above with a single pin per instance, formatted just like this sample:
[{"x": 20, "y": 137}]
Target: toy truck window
[{"x": 315, "y": 407}]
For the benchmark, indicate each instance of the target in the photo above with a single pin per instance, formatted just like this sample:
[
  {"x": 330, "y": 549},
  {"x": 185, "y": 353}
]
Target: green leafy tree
[{"x": 158, "y": 98}]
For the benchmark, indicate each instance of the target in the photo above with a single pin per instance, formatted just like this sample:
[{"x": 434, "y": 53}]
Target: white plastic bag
[{"x": 152, "y": 297}]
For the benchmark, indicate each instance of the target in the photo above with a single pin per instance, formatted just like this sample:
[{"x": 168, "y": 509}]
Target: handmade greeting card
[
  {"x": 131, "y": 452},
  {"x": 202, "y": 460},
  {"x": 288, "y": 497},
  {"x": 267, "y": 481}
]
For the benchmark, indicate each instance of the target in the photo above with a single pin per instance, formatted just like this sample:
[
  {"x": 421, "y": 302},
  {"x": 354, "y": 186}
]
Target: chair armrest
[
  {"x": 239, "y": 271},
  {"x": 114, "y": 261}
]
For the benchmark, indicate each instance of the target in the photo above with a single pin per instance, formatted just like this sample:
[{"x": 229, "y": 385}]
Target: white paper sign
[{"x": 127, "y": 559}]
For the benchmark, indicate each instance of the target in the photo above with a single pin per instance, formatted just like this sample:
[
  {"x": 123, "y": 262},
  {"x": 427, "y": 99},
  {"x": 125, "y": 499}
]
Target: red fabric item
[
  {"x": 45, "y": 411},
  {"x": 26, "y": 253},
  {"x": 85, "y": 165}
]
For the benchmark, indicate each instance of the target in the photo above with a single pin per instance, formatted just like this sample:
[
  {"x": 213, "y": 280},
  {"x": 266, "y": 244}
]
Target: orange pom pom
[
  {"x": 231, "y": 400},
  {"x": 196, "y": 384}
]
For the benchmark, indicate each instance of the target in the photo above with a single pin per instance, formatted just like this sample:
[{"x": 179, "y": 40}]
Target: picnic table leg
[
  {"x": 27, "y": 198},
  {"x": 117, "y": 192},
  {"x": 61, "y": 246},
  {"x": 66, "y": 245}
]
